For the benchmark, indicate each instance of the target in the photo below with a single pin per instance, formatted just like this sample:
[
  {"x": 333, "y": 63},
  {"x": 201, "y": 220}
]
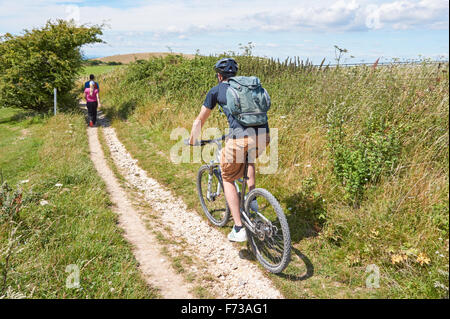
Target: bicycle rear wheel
[
  {"x": 211, "y": 195},
  {"x": 271, "y": 241}
]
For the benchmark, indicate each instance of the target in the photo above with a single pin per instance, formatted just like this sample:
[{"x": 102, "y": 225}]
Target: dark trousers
[{"x": 92, "y": 111}]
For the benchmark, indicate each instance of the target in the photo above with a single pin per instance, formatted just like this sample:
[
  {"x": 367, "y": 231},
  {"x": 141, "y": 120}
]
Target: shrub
[
  {"x": 114, "y": 63},
  {"x": 33, "y": 64},
  {"x": 365, "y": 157},
  {"x": 93, "y": 62}
]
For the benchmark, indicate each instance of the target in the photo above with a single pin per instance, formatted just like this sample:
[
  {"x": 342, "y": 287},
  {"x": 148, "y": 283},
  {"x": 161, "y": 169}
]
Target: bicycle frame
[
  {"x": 268, "y": 240},
  {"x": 243, "y": 181}
]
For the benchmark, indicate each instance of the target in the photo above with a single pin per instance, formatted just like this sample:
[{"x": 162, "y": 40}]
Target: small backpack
[{"x": 247, "y": 100}]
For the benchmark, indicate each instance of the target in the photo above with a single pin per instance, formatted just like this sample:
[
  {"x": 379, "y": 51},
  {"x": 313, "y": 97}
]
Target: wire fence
[
  {"x": 296, "y": 62},
  {"x": 386, "y": 63}
]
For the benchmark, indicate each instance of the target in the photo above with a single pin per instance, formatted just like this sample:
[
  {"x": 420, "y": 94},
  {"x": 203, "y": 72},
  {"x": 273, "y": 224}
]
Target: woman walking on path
[{"x": 92, "y": 102}]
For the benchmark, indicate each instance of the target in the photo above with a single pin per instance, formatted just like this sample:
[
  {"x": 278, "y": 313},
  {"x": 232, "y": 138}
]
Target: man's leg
[
  {"x": 231, "y": 170},
  {"x": 232, "y": 198},
  {"x": 232, "y": 195},
  {"x": 251, "y": 176},
  {"x": 256, "y": 147}
]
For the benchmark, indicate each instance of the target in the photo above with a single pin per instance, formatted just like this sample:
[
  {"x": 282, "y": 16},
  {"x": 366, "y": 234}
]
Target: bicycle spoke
[
  {"x": 212, "y": 197},
  {"x": 269, "y": 240},
  {"x": 266, "y": 252}
]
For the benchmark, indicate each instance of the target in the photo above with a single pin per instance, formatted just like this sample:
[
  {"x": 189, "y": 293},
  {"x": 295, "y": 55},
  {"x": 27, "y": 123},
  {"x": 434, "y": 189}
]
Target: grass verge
[{"x": 65, "y": 231}]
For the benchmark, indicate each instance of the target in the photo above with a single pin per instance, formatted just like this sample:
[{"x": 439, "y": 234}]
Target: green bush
[
  {"x": 33, "y": 64},
  {"x": 365, "y": 157},
  {"x": 114, "y": 63},
  {"x": 92, "y": 62}
]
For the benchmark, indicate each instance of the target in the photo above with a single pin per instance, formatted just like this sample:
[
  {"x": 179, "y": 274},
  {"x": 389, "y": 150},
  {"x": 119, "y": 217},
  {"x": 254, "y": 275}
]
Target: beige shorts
[{"x": 232, "y": 158}]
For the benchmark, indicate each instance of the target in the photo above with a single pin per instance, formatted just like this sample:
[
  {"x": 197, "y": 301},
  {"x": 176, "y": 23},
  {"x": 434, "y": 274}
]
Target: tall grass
[{"x": 363, "y": 161}]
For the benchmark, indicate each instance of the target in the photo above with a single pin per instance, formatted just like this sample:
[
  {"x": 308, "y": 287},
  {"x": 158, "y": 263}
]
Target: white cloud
[
  {"x": 355, "y": 15},
  {"x": 406, "y": 14},
  {"x": 199, "y": 16},
  {"x": 186, "y": 25}
]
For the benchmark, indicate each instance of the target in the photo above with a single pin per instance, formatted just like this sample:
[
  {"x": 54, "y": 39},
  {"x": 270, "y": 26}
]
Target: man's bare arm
[{"x": 198, "y": 124}]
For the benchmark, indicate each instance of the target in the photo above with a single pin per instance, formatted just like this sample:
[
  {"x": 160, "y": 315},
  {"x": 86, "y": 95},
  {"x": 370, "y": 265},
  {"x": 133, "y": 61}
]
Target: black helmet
[{"x": 228, "y": 67}]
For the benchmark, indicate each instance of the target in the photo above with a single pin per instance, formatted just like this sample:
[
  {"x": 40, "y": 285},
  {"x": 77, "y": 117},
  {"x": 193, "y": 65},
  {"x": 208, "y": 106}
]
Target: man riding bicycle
[{"x": 241, "y": 141}]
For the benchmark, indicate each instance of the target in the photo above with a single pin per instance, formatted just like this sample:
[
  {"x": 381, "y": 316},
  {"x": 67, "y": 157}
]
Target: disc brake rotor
[{"x": 264, "y": 229}]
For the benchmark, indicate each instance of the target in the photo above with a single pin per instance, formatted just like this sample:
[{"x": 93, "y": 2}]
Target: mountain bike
[{"x": 264, "y": 219}]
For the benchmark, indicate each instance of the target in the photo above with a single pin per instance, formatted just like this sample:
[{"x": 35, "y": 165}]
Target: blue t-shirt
[
  {"x": 218, "y": 95},
  {"x": 86, "y": 85}
]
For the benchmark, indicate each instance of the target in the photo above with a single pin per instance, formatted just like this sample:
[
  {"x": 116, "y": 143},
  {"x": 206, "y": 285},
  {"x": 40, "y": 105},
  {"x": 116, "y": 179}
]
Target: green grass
[
  {"x": 362, "y": 172},
  {"x": 76, "y": 227}
]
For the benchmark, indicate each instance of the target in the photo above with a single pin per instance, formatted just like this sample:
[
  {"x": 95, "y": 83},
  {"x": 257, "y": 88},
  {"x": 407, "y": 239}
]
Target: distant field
[
  {"x": 97, "y": 69},
  {"x": 127, "y": 58}
]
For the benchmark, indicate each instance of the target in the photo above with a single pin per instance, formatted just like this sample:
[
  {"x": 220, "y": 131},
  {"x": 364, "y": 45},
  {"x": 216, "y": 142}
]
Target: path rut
[{"x": 154, "y": 266}]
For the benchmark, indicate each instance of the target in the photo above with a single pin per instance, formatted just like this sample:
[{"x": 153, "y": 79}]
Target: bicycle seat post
[
  {"x": 244, "y": 182},
  {"x": 246, "y": 167}
]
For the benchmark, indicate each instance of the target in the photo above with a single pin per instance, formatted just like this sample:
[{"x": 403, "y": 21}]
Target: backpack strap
[
  {"x": 269, "y": 102},
  {"x": 236, "y": 95},
  {"x": 220, "y": 109}
]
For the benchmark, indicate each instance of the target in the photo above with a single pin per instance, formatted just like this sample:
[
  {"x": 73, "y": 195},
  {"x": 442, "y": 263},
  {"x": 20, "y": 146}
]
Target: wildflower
[
  {"x": 422, "y": 259},
  {"x": 396, "y": 259},
  {"x": 443, "y": 272},
  {"x": 437, "y": 284}
]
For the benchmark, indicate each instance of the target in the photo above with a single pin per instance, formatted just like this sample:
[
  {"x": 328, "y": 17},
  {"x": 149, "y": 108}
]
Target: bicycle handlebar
[{"x": 204, "y": 142}]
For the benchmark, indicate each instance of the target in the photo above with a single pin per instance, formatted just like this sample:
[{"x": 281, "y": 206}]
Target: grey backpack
[{"x": 247, "y": 100}]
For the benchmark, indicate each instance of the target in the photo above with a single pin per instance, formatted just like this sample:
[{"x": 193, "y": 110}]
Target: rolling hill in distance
[{"x": 130, "y": 57}]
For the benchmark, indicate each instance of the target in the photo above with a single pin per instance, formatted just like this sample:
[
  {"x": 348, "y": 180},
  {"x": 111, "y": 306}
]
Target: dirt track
[
  {"x": 154, "y": 266},
  {"x": 234, "y": 276}
]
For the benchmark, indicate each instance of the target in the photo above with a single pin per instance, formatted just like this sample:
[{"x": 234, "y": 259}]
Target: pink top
[{"x": 91, "y": 98}]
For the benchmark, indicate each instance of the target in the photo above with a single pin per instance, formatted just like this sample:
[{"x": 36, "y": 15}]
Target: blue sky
[{"x": 368, "y": 29}]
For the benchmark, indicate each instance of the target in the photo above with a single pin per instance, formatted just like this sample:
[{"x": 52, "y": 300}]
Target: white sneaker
[{"x": 239, "y": 236}]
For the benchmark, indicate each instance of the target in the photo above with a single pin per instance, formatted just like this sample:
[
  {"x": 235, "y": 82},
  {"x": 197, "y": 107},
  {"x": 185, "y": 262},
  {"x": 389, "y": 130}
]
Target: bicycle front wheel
[
  {"x": 211, "y": 195},
  {"x": 271, "y": 241}
]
